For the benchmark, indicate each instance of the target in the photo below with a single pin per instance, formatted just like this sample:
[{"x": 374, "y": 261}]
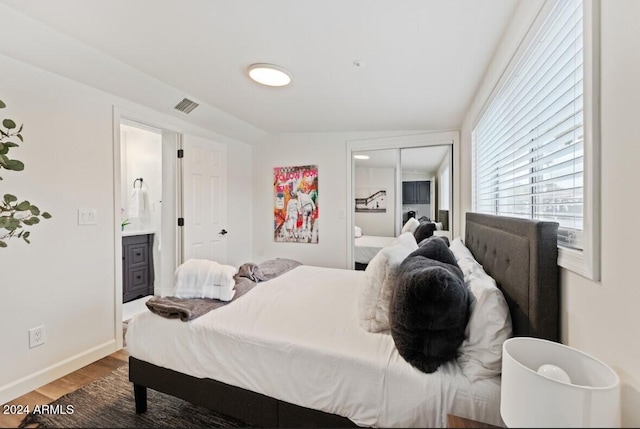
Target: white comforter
[{"x": 297, "y": 338}]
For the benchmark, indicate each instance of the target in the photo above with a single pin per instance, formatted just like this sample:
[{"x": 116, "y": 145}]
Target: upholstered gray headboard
[{"x": 521, "y": 255}]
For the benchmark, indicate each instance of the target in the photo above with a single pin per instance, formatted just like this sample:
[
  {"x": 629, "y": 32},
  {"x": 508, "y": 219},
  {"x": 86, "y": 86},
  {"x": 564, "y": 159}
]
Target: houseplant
[{"x": 15, "y": 215}]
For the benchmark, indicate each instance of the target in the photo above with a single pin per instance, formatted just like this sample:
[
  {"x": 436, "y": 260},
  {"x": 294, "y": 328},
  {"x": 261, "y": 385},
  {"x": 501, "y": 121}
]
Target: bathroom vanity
[{"x": 137, "y": 264}]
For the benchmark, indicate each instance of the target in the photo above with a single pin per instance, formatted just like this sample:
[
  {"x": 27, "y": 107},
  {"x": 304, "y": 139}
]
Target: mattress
[
  {"x": 368, "y": 246},
  {"x": 296, "y": 338}
]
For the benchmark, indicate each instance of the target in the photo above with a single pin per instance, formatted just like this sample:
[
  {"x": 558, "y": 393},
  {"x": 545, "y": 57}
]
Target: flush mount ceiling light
[
  {"x": 269, "y": 74},
  {"x": 361, "y": 156}
]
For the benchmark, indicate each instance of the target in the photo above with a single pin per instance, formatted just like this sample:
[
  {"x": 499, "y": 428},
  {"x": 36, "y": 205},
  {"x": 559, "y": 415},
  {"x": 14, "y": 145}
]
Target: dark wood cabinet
[
  {"x": 137, "y": 266},
  {"x": 416, "y": 192}
]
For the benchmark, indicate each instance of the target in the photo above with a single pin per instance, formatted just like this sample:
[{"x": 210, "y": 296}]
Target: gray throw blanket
[{"x": 249, "y": 274}]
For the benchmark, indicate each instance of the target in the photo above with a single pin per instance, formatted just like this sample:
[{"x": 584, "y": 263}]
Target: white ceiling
[{"x": 424, "y": 59}]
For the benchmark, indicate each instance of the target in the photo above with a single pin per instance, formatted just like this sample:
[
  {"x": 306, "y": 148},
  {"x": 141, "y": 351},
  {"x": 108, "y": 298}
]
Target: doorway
[{"x": 148, "y": 208}]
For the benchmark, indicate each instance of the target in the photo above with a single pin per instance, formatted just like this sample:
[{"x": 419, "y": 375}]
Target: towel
[
  {"x": 137, "y": 205},
  {"x": 202, "y": 278},
  {"x": 187, "y": 309}
]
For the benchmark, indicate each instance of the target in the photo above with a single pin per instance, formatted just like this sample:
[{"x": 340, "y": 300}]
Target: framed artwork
[
  {"x": 295, "y": 210},
  {"x": 371, "y": 200}
]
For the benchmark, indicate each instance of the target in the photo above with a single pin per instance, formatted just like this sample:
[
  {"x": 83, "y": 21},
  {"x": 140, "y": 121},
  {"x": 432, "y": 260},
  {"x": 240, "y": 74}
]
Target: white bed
[
  {"x": 291, "y": 352},
  {"x": 313, "y": 353},
  {"x": 367, "y": 246}
]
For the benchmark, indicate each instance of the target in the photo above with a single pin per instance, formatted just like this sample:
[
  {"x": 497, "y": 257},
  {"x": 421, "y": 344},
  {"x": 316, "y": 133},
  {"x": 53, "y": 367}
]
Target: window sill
[{"x": 579, "y": 262}]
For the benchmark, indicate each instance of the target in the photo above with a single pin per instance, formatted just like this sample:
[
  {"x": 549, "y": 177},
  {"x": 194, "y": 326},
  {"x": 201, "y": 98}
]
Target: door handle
[{"x": 223, "y": 232}]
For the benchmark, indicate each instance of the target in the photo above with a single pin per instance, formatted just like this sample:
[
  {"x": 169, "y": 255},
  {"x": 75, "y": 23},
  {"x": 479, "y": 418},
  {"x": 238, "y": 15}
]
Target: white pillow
[
  {"x": 357, "y": 231},
  {"x": 489, "y": 322},
  {"x": 380, "y": 274},
  {"x": 411, "y": 225}
]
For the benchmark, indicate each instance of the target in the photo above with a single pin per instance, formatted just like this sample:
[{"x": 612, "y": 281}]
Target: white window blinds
[{"x": 528, "y": 146}]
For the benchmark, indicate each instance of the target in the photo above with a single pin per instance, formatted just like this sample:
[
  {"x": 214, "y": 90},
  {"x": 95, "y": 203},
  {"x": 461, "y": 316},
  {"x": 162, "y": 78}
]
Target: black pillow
[
  {"x": 429, "y": 307},
  {"x": 437, "y": 251},
  {"x": 443, "y": 238},
  {"x": 424, "y": 230}
]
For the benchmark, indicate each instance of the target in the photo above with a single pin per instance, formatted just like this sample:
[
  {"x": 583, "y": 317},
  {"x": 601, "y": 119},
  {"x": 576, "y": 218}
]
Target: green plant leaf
[
  {"x": 25, "y": 239},
  {"x": 28, "y": 221},
  {"x": 3, "y": 244},
  {"x": 3, "y": 149},
  {"x": 34, "y": 210},
  {"x": 21, "y": 127},
  {"x": 9, "y": 124},
  {"x": 25, "y": 205},
  {"x": 2, "y": 105},
  {"x": 26, "y": 234},
  {"x": 46, "y": 215},
  {"x": 11, "y": 144},
  {"x": 20, "y": 137},
  {"x": 12, "y": 224},
  {"x": 8, "y": 198},
  {"x": 3, "y": 160},
  {"x": 15, "y": 165}
]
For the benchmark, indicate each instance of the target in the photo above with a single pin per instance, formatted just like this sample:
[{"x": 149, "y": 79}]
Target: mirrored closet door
[{"x": 393, "y": 185}]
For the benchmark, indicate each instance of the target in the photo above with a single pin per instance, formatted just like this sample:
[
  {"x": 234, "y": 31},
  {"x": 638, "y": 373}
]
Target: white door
[{"x": 204, "y": 169}]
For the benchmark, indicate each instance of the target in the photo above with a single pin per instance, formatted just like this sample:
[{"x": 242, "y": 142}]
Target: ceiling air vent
[{"x": 186, "y": 106}]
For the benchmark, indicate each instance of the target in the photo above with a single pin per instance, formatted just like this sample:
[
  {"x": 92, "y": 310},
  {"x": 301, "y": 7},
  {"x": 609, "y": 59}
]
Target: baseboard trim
[{"x": 38, "y": 379}]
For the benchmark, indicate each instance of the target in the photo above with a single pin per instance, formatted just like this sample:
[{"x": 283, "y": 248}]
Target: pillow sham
[
  {"x": 429, "y": 306},
  {"x": 379, "y": 278},
  {"x": 411, "y": 225},
  {"x": 489, "y": 321}
]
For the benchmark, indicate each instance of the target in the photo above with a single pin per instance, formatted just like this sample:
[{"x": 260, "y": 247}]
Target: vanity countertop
[{"x": 127, "y": 233}]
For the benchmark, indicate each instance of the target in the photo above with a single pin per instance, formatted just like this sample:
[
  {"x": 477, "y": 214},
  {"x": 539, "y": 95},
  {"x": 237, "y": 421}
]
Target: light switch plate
[{"x": 87, "y": 216}]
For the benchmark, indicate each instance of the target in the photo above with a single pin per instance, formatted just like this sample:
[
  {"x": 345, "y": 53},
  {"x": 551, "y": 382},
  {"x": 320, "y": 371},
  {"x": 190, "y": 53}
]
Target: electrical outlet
[{"x": 36, "y": 336}]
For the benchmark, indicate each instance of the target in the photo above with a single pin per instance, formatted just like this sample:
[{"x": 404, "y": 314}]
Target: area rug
[{"x": 108, "y": 403}]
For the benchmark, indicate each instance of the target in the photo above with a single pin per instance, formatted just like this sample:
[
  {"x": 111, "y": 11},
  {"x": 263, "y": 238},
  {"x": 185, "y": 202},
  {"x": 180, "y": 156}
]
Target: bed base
[
  {"x": 360, "y": 266},
  {"x": 249, "y": 407}
]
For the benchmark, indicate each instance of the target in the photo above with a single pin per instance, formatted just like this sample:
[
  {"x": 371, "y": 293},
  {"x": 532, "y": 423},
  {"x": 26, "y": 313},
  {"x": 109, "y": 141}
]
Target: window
[{"x": 531, "y": 143}]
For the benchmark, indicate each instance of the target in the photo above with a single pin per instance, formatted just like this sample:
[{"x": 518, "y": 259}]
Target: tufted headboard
[{"x": 521, "y": 255}]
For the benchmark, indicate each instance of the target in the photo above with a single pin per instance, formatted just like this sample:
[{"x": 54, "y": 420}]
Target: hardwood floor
[{"x": 52, "y": 391}]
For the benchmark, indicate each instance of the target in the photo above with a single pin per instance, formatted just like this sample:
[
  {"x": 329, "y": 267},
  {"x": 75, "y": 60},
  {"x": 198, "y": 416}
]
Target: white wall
[
  {"x": 444, "y": 183},
  {"x": 240, "y": 196},
  {"x": 601, "y": 318},
  {"x": 328, "y": 151},
  {"x": 374, "y": 179},
  {"x": 142, "y": 158},
  {"x": 66, "y": 279}
]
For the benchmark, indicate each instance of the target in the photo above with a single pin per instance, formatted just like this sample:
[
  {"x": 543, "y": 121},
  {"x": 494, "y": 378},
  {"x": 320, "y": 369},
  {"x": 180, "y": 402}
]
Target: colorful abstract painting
[{"x": 295, "y": 208}]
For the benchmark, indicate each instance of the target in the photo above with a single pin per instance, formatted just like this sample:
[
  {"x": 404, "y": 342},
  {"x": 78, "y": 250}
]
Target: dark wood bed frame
[{"x": 520, "y": 254}]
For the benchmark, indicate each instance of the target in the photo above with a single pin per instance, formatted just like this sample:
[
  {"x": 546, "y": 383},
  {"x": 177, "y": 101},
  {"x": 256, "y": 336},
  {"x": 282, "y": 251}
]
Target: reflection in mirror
[
  {"x": 426, "y": 185},
  {"x": 392, "y": 185},
  {"x": 375, "y": 189}
]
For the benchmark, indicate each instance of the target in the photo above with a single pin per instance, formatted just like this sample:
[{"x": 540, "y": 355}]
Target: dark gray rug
[{"x": 108, "y": 403}]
